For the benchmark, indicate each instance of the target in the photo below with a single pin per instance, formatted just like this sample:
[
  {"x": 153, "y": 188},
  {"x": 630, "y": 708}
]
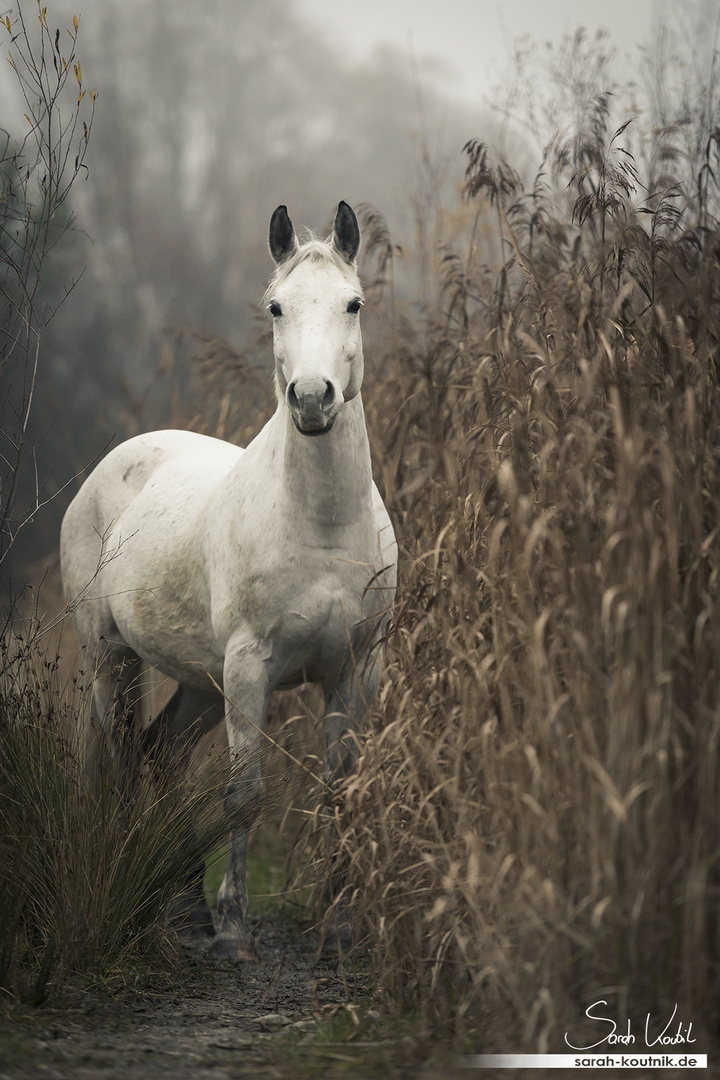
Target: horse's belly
[
  {"x": 179, "y": 645},
  {"x": 162, "y": 612}
]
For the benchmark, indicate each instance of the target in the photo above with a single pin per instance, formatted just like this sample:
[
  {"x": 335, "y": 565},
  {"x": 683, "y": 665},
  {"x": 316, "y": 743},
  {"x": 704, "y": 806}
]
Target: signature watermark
[
  {"x": 649, "y": 1045},
  {"x": 653, "y": 1031}
]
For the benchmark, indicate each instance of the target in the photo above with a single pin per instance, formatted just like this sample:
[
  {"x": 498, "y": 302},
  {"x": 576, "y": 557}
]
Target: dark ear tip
[
  {"x": 346, "y": 232},
  {"x": 281, "y": 238},
  {"x": 346, "y": 210}
]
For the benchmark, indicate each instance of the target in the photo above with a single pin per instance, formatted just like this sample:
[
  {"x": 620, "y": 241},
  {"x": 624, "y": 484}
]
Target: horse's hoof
[
  {"x": 225, "y": 947},
  {"x": 340, "y": 937}
]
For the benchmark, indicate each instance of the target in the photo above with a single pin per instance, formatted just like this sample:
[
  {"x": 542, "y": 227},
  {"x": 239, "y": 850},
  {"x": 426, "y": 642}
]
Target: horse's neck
[{"x": 328, "y": 478}]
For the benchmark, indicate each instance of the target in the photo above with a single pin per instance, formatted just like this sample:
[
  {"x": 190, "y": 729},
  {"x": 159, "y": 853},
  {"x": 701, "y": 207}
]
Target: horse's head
[{"x": 315, "y": 299}]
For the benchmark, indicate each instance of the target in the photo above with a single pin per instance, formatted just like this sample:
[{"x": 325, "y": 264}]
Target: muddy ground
[{"x": 293, "y": 1014}]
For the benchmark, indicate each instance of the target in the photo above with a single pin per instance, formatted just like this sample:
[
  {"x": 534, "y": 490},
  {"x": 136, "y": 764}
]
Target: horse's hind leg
[
  {"x": 188, "y": 715},
  {"x": 116, "y": 695},
  {"x": 168, "y": 741}
]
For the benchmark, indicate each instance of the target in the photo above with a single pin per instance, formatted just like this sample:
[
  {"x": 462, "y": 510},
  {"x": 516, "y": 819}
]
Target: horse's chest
[
  {"x": 308, "y": 596},
  {"x": 306, "y": 607},
  {"x": 316, "y": 633}
]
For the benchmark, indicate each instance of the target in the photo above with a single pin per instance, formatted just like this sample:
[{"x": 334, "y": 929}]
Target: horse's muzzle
[
  {"x": 313, "y": 404},
  {"x": 313, "y": 430}
]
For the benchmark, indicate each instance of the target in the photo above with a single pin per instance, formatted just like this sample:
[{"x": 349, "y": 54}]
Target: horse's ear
[
  {"x": 282, "y": 240},
  {"x": 346, "y": 232}
]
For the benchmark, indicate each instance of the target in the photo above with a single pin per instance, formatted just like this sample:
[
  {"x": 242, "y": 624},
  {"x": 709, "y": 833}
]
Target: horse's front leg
[
  {"x": 246, "y": 692},
  {"x": 346, "y": 708},
  {"x": 345, "y": 711}
]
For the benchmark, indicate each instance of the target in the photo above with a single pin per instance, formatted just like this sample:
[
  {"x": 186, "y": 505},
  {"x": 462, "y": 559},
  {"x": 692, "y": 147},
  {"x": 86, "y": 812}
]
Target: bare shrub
[{"x": 37, "y": 173}]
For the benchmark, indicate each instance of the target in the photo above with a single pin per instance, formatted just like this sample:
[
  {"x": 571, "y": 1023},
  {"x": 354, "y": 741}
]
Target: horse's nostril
[
  {"x": 315, "y": 397},
  {"x": 292, "y": 396}
]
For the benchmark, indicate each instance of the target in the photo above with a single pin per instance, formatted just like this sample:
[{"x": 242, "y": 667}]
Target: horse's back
[
  {"x": 128, "y": 468},
  {"x": 163, "y": 469}
]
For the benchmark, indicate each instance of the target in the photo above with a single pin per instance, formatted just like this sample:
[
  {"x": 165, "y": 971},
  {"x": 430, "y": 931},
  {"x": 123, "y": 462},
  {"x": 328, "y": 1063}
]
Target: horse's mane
[{"x": 314, "y": 249}]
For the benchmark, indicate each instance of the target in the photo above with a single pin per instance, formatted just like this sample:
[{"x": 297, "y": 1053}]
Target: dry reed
[{"x": 533, "y": 823}]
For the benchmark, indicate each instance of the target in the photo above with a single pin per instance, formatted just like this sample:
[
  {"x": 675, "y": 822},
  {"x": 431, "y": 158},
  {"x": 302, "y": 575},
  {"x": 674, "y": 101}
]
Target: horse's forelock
[{"x": 314, "y": 250}]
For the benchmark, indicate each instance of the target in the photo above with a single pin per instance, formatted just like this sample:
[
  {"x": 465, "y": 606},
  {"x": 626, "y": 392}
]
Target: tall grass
[
  {"x": 533, "y": 824},
  {"x": 91, "y": 865}
]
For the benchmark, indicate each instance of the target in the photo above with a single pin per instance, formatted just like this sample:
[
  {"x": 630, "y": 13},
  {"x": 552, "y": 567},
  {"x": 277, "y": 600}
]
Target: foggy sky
[
  {"x": 208, "y": 118},
  {"x": 474, "y": 38}
]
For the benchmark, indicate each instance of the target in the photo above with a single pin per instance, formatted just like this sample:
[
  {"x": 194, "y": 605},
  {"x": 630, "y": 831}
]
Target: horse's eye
[
  {"x": 275, "y": 309},
  {"x": 354, "y": 306}
]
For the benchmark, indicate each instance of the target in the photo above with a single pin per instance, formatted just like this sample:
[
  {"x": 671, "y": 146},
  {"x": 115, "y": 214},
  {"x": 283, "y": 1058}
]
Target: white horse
[{"x": 253, "y": 569}]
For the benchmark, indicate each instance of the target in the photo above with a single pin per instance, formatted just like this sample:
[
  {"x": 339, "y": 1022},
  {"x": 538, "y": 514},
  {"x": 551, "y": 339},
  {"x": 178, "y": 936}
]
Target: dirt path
[{"x": 287, "y": 1016}]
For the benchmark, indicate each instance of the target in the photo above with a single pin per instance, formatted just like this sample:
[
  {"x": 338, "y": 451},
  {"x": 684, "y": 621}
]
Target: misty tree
[
  {"x": 41, "y": 159},
  {"x": 208, "y": 118}
]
